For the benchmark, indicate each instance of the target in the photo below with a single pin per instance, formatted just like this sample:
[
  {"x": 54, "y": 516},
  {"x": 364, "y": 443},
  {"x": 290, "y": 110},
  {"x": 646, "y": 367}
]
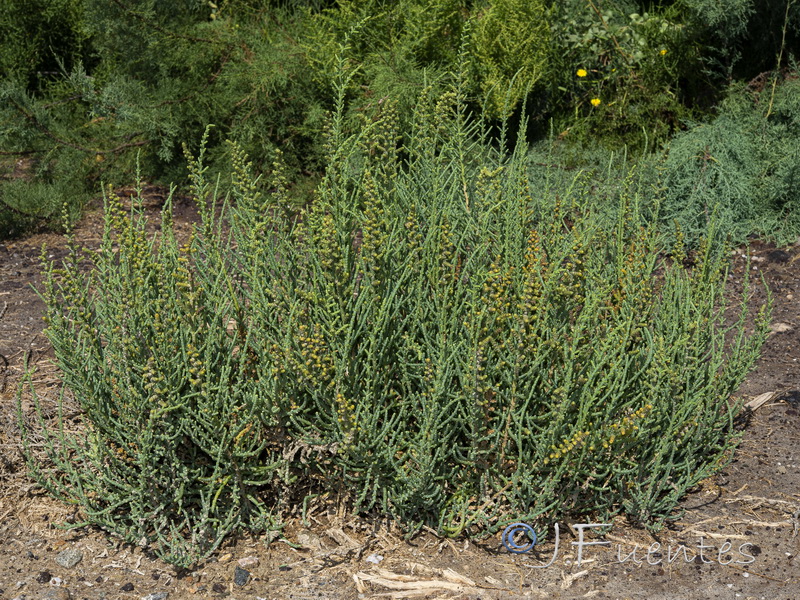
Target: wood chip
[{"x": 760, "y": 400}]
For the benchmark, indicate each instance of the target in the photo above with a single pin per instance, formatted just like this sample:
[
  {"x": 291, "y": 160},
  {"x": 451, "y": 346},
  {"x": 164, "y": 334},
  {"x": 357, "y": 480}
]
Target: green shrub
[
  {"x": 401, "y": 46},
  {"x": 742, "y": 38},
  {"x": 433, "y": 339},
  {"x": 38, "y": 37},
  {"x": 47, "y": 190},
  {"x": 616, "y": 72},
  {"x": 159, "y": 72},
  {"x": 510, "y": 44},
  {"x": 744, "y": 164}
]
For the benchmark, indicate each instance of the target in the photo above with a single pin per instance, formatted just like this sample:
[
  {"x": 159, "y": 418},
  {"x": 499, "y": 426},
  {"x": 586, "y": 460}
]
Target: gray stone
[
  {"x": 240, "y": 576},
  {"x": 57, "y": 594},
  {"x": 69, "y": 558},
  {"x": 158, "y": 596}
]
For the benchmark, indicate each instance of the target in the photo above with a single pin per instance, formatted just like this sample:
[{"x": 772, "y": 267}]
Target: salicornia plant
[{"x": 433, "y": 338}]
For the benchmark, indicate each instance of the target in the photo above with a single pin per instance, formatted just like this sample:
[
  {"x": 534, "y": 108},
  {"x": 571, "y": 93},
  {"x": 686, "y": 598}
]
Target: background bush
[
  {"x": 117, "y": 82},
  {"x": 432, "y": 339},
  {"x": 745, "y": 164}
]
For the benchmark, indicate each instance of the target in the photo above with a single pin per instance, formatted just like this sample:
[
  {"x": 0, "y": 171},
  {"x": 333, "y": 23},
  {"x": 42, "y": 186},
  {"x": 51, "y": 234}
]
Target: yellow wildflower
[
  {"x": 663, "y": 51},
  {"x": 595, "y": 101},
  {"x": 582, "y": 73}
]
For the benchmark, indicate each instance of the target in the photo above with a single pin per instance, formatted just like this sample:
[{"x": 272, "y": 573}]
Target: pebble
[
  {"x": 128, "y": 587},
  {"x": 781, "y": 328},
  {"x": 43, "y": 577},
  {"x": 158, "y": 596},
  {"x": 69, "y": 558},
  {"x": 240, "y": 576},
  {"x": 309, "y": 540},
  {"x": 248, "y": 561},
  {"x": 57, "y": 594}
]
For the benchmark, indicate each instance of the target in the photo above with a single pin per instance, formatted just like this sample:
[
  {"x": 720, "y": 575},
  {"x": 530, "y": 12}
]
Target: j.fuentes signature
[{"x": 520, "y": 538}]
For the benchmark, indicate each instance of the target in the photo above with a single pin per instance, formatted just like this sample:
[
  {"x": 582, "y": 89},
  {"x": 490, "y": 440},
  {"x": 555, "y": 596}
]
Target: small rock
[
  {"x": 780, "y": 328},
  {"x": 375, "y": 559},
  {"x": 782, "y": 470},
  {"x": 240, "y": 576},
  {"x": 248, "y": 561},
  {"x": 43, "y": 577},
  {"x": 309, "y": 540},
  {"x": 158, "y": 596},
  {"x": 218, "y": 588},
  {"x": 225, "y": 558},
  {"x": 56, "y": 581},
  {"x": 69, "y": 558},
  {"x": 57, "y": 594},
  {"x": 128, "y": 587}
]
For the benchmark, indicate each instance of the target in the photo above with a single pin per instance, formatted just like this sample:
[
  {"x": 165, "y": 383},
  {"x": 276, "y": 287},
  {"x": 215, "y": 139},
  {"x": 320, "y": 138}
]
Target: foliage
[
  {"x": 37, "y": 37},
  {"x": 619, "y": 72},
  {"x": 45, "y": 190},
  {"x": 745, "y": 164},
  {"x": 397, "y": 44},
  {"x": 127, "y": 82},
  {"x": 431, "y": 339},
  {"x": 161, "y": 71},
  {"x": 740, "y": 37},
  {"x": 510, "y": 45}
]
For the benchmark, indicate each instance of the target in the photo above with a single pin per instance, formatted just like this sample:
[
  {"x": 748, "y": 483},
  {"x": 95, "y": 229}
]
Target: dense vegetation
[
  {"x": 428, "y": 339},
  {"x": 504, "y": 298},
  {"x": 91, "y": 86}
]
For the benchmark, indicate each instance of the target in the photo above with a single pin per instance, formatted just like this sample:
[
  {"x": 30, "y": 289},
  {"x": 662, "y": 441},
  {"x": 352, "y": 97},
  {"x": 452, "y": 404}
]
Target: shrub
[
  {"x": 48, "y": 190},
  {"x": 432, "y": 339},
  {"x": 743, "y": 164},
  {"x": 158, "y": 72},
  {"x": 618, "y": 72},
  {"x": 399, "y": 46},
  {"x": 39, "y": 37}
]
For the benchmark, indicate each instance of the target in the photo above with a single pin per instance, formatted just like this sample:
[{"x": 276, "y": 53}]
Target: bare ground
[{"x": 738, "y": 538}]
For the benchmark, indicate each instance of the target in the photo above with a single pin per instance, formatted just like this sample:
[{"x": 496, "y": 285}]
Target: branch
[
  {"x": 30, "y": 117},
  {"x": 622, "y": 52},
  {"x": 152, "y": 24}
]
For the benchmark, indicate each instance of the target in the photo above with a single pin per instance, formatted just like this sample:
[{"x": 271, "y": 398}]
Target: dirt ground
[{"x": 736, "y": 540}]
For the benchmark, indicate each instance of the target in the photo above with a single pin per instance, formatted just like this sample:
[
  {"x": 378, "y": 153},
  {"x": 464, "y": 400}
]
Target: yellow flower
[
  {"x": 663, "y": 51},
  {"x": 595, "y": 101},
  {"x": 582, "y": 73}
]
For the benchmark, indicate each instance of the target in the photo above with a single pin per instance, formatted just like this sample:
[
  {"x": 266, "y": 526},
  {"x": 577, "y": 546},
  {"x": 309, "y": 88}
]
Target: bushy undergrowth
[
  {"x": 433, "y": 339},
  {"x": 745, "y": 164},
  {"x": 117, "y": 82}
]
